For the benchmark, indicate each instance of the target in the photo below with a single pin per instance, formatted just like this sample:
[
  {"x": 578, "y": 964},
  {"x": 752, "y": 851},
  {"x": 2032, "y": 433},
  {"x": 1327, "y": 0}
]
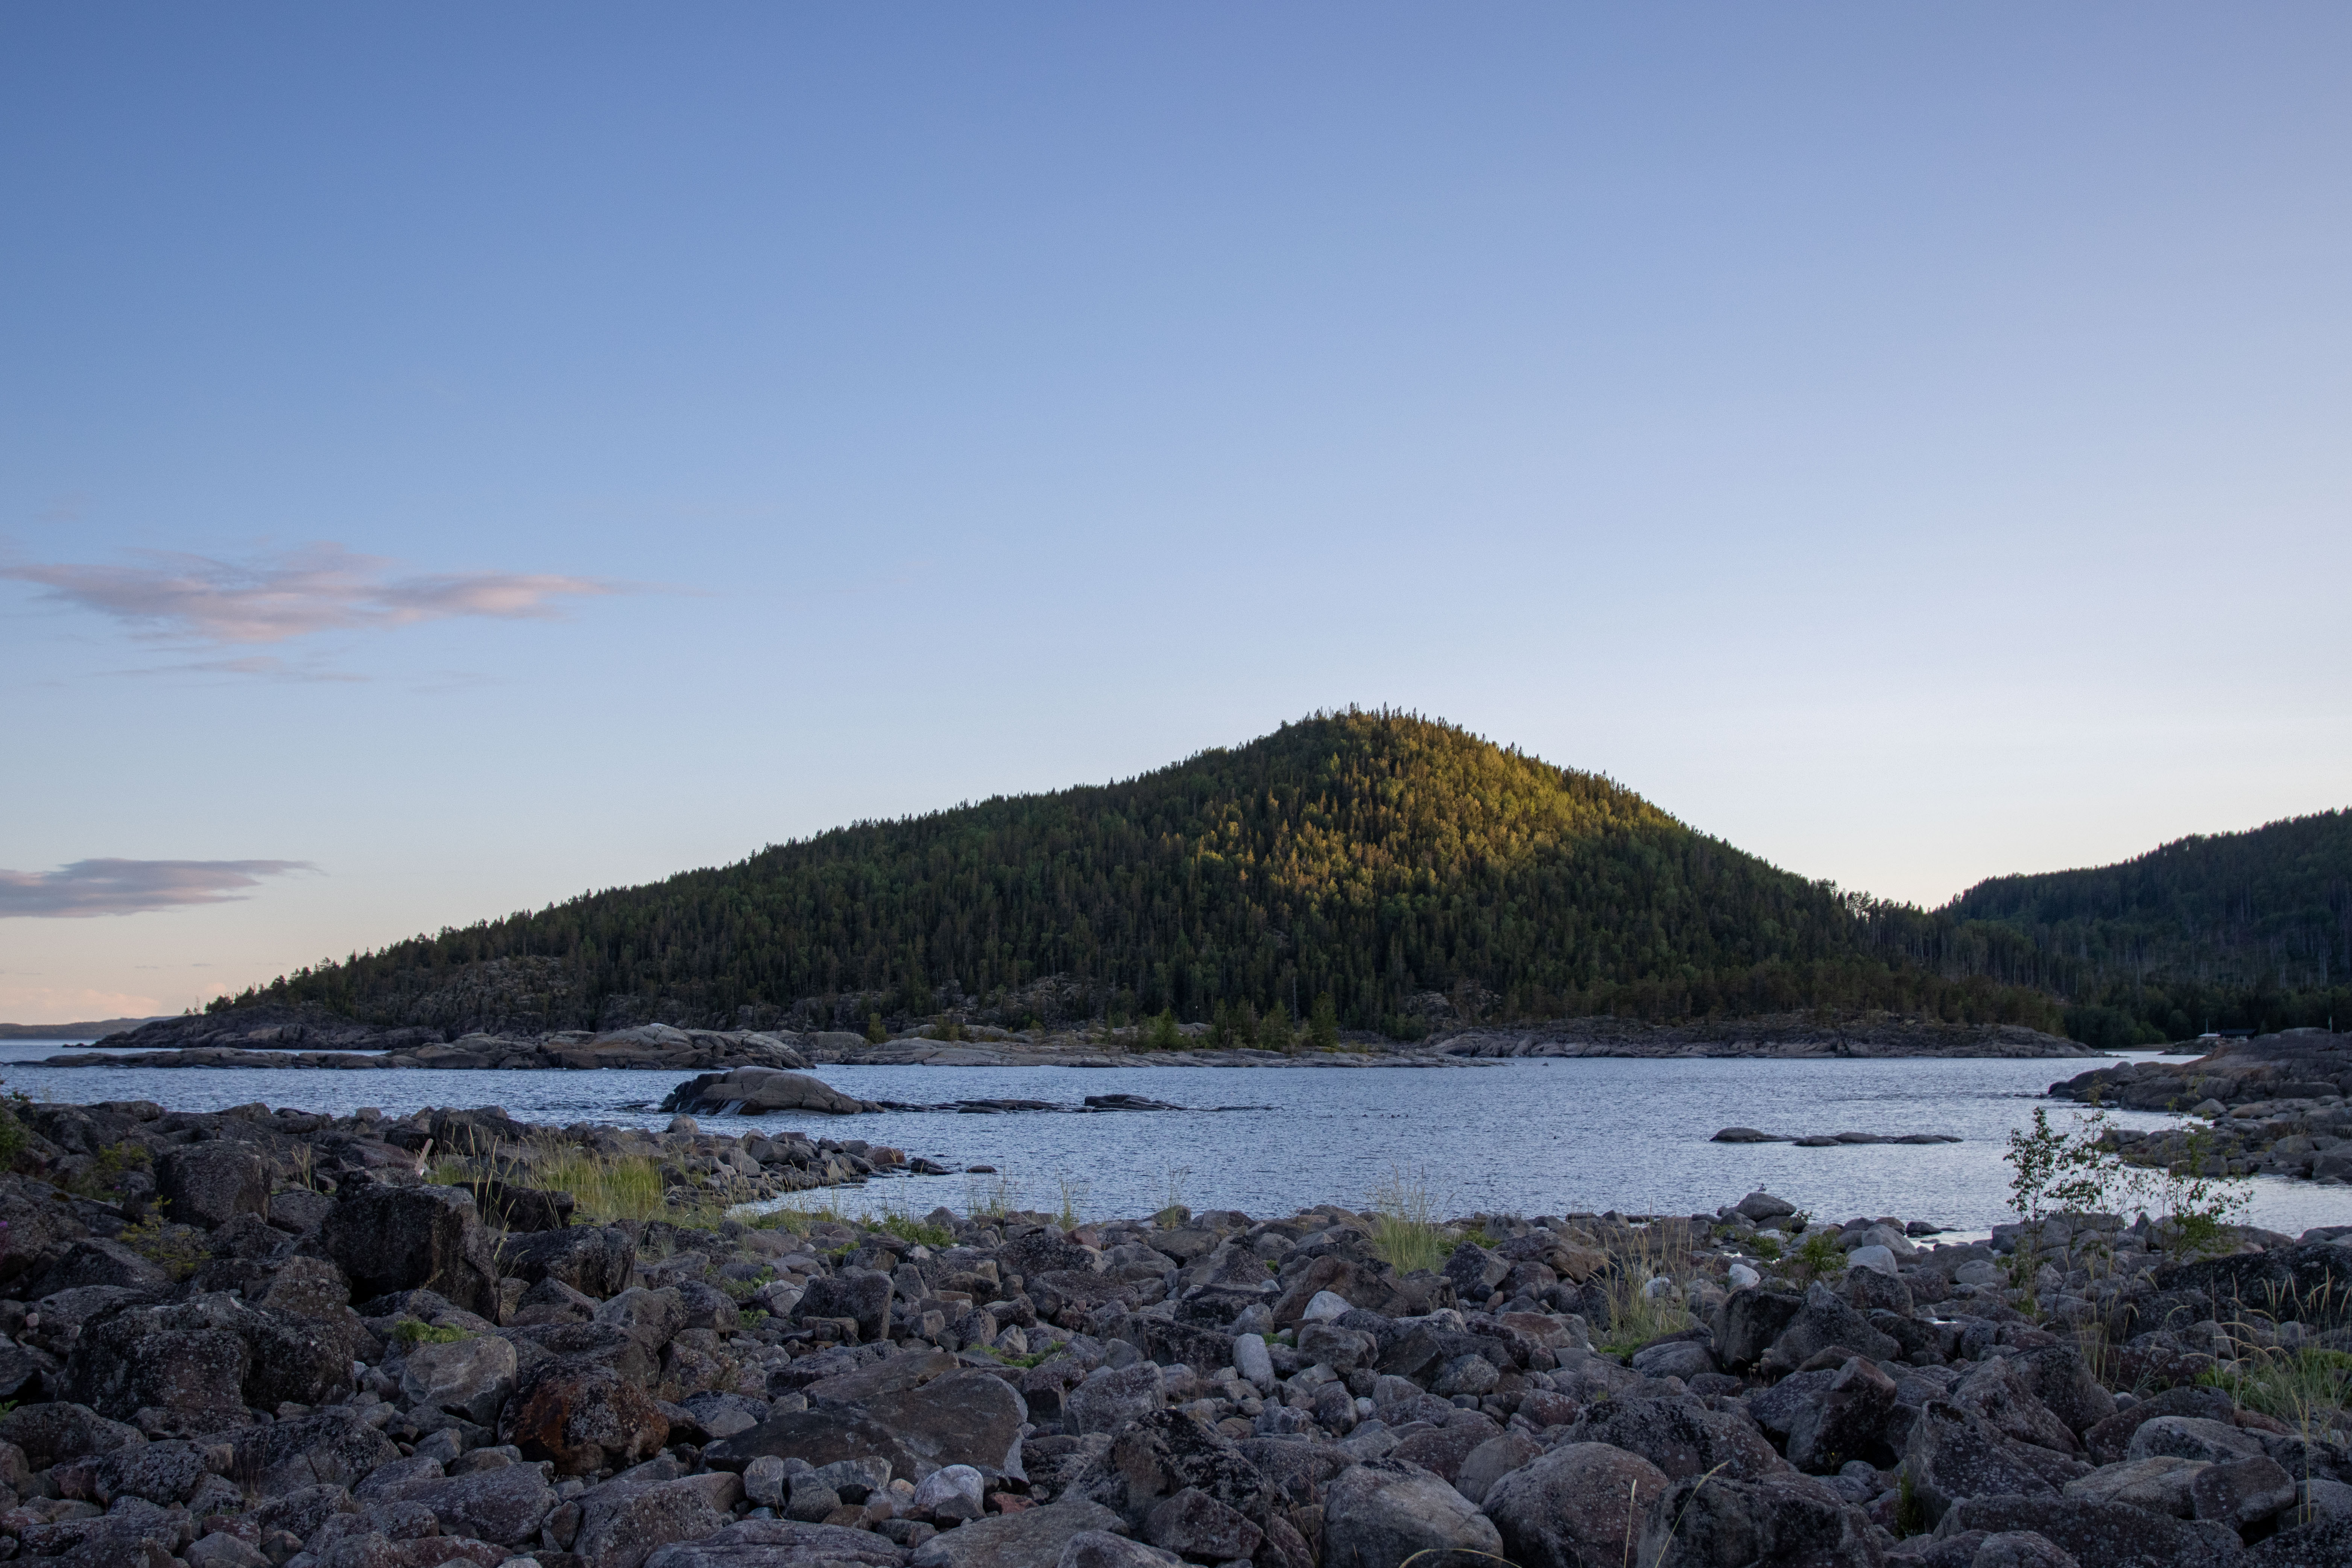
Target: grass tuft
[{"x": 1405, "y": 1233}]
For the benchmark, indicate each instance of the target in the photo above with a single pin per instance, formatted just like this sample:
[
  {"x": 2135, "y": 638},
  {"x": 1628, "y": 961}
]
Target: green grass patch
[
  {"x": 409, "y": 1332},
  {"x": 1405, "y": 1233}
]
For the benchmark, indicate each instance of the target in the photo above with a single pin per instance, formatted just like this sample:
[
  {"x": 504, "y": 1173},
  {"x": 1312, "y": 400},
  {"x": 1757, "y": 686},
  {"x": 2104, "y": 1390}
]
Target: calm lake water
[{"x": 1527, "y": 1136}]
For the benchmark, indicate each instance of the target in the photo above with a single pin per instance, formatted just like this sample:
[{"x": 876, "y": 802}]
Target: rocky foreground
[
  {"x": 2276, "y": 1105},
  {"x": 262, "y": 1336}
]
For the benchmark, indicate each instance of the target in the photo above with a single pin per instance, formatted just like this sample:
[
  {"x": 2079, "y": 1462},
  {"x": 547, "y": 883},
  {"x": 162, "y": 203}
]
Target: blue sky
[{"x": 451, "y": 457}]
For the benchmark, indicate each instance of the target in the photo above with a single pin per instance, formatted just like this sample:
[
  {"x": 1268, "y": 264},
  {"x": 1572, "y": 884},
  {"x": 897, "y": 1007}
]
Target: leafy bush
[{"x": 175, "y": 1249}]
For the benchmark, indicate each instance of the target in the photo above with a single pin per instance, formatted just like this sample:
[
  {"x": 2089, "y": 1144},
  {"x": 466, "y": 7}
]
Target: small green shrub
[
  {"x": 914, "y": 1230},
  {"x": 175, "y": 1250},
  {"x": 1817, "y": 1255},
  {"x": 108, "y": 1167}
]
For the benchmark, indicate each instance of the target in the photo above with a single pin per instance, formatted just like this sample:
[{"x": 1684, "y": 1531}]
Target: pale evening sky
[{"x": 452, "y": 457}]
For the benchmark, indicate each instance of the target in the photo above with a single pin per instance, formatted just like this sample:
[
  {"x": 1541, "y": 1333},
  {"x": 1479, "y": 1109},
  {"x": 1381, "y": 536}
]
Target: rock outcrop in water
[
  {"x": 261, "y": 1337},
  {"x": 2276, "y": 1105}
]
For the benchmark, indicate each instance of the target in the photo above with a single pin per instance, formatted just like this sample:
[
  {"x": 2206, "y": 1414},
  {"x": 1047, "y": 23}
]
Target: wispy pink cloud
[
  {"x": 126, "y": 887},
  {"x": 319, "y": 587}
]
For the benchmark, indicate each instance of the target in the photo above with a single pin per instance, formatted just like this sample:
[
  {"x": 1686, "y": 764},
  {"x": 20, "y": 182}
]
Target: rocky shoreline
[
  {"x": 259, "y": 1337},
  {"x": 2274, "y": 1105},
  {"x": 309, "y": 1036}
]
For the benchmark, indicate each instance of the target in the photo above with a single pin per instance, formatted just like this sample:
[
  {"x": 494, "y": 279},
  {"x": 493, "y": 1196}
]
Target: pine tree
[
  {"x": 1323, "y": 1025},
  {"x": 1273, "y": 1029}
]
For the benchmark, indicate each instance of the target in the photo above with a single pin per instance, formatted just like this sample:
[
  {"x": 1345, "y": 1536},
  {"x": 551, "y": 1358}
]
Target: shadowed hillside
[{"x": 2224, "y": 930}]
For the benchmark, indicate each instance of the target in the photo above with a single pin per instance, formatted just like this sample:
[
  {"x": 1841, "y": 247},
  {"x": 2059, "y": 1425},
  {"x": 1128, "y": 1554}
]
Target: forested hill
[
  {"x": 1395, "y": 864},
  {"x": 2224, "y": 930}
]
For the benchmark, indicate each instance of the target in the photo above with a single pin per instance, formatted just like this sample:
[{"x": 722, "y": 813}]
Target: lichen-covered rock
[
  {"x": 622, "y": 1521},
  {"x": 1680, "y": 1437},
  {"x": 333, "y": 1447},
  {"x": 1020, "y": 1540},
  {"x": 598, "y": 1261},
  {"x": 583, "y": 1417},
  {"x": 406, "y": 1238},
  {"x": 1382, "y": 1514},
  {"x": 1576, "y": 1505},
  {"x": 780, "y": 1544},
  {"x": 208, "y": 1185},
  {"x": 2101, "y": 1534},
  {"x": 507, "y": 1505},
  {"x": 1701, "y": 1522}
]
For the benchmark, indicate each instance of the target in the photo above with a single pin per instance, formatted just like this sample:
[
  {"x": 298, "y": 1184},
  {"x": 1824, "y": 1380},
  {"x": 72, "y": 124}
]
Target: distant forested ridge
[
  {"x": 1401, "y": 867},
  {"x": 2218, "y": 931}
]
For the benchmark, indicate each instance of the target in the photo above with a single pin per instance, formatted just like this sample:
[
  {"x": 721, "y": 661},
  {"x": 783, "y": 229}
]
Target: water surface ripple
[{"x": 1547, "y": 1136}]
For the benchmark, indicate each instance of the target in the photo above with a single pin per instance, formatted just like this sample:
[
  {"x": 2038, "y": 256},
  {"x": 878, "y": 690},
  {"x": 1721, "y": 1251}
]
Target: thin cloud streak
[
  {"x": 319, "y": 587},
  {"x": 111, "y": 887}
]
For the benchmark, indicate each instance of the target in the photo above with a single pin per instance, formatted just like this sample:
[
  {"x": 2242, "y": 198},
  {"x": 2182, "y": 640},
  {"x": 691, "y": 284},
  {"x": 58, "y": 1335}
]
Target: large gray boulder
[
  {"x": 2109, "y": 1440},
  {"x": 1680, "y": 1437},
  {"x": 469, "y": 1377},
  {"x": 506, "y": 1505},
  {"x": 965, "y": 1418},
  {"x": 1574, "y": 1506},
  {"x": 597, "y": 1261},
  {"x": 1024, "y": 1539},
  {"x": 583, "y": 1416},
  {"x": 2191, "y": 1437},
  {"x": 1952, "y": 1455},
  {"x": 2100, "y": 1534},
  {"x": 860, "y": 1295},
  {"x": 1110, "y": 1397},
  {"x": 207, "y": 1185},
  {"x": 2159, "y": 1484},
  {"x": 1749, "y": 1321},
  {"x": 204, "y": 1360},
  {"x": 1998, "y": 1392},
  {"x": 1703, "y": 1521},
  {"x": 1826, "y": 1319},
  {"x": 1378, "y": 1514},
  {"x": 51, "y": 1432},
  {"x": 775, "y": 1542},
  {"x": 622, "y": 1521},
  {"x": 1848, "y": 1422},
  {"x": 387, "y": 1240},
  {"x": 332, "y": 1448}
]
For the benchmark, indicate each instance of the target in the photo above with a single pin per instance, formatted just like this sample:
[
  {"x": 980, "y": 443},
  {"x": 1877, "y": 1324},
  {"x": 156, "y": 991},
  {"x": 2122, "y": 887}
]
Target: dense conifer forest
[
  {"x": 1397, "y": 871},
  {"x": 2231, "y": 930}
]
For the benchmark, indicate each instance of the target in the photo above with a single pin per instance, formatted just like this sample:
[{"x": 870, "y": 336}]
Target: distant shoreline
[{"x": 220, "y": 1042}]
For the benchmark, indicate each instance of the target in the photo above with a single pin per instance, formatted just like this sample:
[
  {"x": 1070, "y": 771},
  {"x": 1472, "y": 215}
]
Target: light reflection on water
[{"x": 1528, "y": 1137}]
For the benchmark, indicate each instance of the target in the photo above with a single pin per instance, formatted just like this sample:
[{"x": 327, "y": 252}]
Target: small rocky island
[{"x": 273, "y": 1337}]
